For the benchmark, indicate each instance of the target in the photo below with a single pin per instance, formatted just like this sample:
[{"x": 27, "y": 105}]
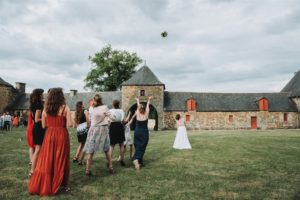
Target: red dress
[
  {"x": 29, "y": 130},
  {"x": 53, "y": 167}
]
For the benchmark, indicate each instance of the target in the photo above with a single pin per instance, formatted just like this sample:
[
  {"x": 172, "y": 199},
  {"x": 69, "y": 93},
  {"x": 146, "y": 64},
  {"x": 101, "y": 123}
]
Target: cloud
[{"x": 212, "y": 45}]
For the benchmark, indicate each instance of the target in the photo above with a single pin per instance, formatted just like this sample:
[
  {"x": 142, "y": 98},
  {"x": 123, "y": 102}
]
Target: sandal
[
  {"x": 111, "y": 170},
  {"x": 67, "y": 189},
  {"x": 88, "y": 173},
  {"x": 80, "y": 163},
  {"x": 75, "y": 160},
  {"x": 30, "y": 174}
]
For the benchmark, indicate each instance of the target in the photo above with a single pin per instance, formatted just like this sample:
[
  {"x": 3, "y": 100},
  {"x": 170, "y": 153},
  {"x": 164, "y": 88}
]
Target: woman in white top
[
  {"x": 181, "y": 140},
  {"x": 116, "y": 129},
  {"x": 98, "y": 137}
]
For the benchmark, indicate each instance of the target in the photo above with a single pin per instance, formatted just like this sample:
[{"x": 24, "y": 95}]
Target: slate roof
[
  {"x": 293, "y": 86},
  {"x": 144, "y": 76},
  {"x": 3, "y": 82},
  {"x": 228, "y": 102},
  {"x": 107, "y": 98}
]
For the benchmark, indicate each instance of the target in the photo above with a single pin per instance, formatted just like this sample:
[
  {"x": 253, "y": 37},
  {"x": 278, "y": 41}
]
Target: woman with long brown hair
[
  {"x": 141, "y": 133},
  {"x": 98, "y": 136},
  {"x": 36, "y": 108},
  {"x": 53, "y": 168},
  {"x": 82, "y": 124}
]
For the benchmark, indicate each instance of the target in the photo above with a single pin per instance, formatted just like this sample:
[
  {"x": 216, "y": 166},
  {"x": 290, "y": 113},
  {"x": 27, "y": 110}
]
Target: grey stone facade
[{"x": 213, "y": 110}]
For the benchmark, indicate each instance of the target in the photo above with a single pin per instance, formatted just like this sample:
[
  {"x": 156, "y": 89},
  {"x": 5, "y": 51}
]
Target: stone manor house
[{"x": 200, "y": 110}]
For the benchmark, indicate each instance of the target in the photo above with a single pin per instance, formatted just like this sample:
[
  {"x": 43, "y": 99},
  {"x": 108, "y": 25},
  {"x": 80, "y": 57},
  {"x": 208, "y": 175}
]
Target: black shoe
[
  {"x": 75, "y": 160},
  {"x": 122, "y": 163}
]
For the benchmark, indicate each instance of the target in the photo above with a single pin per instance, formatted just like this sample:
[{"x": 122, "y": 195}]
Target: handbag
[{"x": 82, "y": 129}]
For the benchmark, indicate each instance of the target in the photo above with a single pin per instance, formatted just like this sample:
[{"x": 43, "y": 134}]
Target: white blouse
[{"x": 116, "y": 115}]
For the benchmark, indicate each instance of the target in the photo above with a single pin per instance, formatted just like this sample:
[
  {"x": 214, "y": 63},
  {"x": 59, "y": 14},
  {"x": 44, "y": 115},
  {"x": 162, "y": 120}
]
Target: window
[
  {"x": 187, "y": 118},
  {"x": 142, "y": 93},
  {"x": 230, "y": 119},
  {"x": 263, "y": 104},
  {"x": 191, "y": 105},
  {"x": 285, "y": 117}
]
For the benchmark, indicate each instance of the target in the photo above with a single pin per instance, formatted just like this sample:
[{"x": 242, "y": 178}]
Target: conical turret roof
[
  {"x": 293, "y": 86},
  {"x": 144, "y": 76}
]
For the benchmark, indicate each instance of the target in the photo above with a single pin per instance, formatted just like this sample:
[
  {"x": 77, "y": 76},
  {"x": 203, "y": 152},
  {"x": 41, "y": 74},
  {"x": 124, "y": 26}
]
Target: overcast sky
[{"x": 212, "y": 46}]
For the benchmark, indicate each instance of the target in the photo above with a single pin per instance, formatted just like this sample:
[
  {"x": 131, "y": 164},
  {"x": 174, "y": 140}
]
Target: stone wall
[
  {"x": 129, "y": 93},
  {"x": 241, "y": 120},
  {"x": 8, "y": 96}
]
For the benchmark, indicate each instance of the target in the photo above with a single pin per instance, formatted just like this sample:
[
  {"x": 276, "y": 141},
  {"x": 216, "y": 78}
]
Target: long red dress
[
  {"x": 29, "y": 130},
  {"x": 53, "y": 167}
]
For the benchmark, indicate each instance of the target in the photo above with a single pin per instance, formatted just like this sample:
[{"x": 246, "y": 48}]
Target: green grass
[{"x": 239, "y": 164}]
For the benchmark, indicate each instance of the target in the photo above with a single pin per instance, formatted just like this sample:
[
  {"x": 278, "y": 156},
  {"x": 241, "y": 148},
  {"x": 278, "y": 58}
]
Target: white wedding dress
[{"x": 181, "y": 140}]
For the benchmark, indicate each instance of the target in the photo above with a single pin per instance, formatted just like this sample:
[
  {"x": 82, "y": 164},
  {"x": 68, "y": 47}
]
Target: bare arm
[
  {"x": 127, "y": 117},
  {"x": 132, "y": 118},
  {"x": 38, "y": 116},
  {"x": 68, "y": 116},
  {"x": 137, "y": 102},
  {"x": 148, "y": 104},
  {"x": 87, "y": 117},
  {"x": 44, "y": 116}
]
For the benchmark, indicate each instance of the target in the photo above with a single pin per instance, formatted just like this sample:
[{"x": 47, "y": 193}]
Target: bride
[{"x": 181, "y": 140}]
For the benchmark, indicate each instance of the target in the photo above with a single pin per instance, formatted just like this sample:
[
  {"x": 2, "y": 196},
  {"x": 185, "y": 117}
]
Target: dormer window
[
  {"x": 142, "y": 93},
  {"x": 191, "y": 104},
  {"x": 263, "y": 104}
]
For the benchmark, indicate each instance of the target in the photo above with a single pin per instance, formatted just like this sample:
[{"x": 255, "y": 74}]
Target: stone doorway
[{"x": 152, "y": 121}]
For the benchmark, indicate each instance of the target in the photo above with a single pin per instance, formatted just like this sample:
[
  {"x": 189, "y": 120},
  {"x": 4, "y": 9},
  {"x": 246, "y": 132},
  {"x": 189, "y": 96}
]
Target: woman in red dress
[
  {"x": 29, "y": 136},
  {"x": 53, "y": 167}
]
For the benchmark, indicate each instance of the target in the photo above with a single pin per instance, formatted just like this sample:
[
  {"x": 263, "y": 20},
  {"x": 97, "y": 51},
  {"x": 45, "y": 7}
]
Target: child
[{"x": 128, "y": 140}]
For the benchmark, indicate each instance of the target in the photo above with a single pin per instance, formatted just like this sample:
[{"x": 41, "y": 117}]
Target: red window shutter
[
  {"x": 189, "y": 105},
  {"x": 230, "y": 118},
  {"x": 193, "y": 104},
  {"x": 263, "y": 105},
  {"x": 187, "y": 118},
  {"x": 285, "y": 117}
]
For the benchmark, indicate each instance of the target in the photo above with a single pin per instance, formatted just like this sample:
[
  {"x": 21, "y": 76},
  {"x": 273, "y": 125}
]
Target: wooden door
[{"x": 253, "y": 122}]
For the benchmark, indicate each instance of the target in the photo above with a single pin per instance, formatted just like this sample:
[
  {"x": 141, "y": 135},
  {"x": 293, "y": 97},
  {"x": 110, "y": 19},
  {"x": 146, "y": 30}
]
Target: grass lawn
[{"x": 239, "y": 164}]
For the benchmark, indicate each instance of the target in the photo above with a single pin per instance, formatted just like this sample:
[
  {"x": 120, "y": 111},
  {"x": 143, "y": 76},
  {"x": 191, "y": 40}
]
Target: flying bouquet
[{"x": 164, "y": 34}]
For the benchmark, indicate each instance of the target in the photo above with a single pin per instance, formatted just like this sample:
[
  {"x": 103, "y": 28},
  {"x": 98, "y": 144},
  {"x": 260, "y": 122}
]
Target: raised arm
[
  {"x": 137, "y": 102},
  {"x": 148, "y": 104}
]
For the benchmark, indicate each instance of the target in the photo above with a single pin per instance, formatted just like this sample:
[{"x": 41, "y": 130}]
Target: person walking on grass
[
  {"x": 82, "y": 124},
  {"x": 128, "y": 141},
  {"x": 181, "y": 140},
  {"x": 141, "y": 133},
  {"x": 38, "y": 132},
  {"x": 98, "y": 134},
  {"x": 116, "y": 130},
  {"x": 53, "y": 165},
  {"x": 30, "y": 137}
]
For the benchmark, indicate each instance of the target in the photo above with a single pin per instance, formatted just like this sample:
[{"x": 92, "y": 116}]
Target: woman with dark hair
[
  {"x": 82, "y": 124},
  {"x": 181, "y": 140},
  {"x": 141, "y": 133},
  {"x": 31, "y": 146},
  {"x": 53, "y": 168},
  {"x": 98, "y": 136},
  {"x": 116, "y": 130},
  {"x": 36, "y": 108}
]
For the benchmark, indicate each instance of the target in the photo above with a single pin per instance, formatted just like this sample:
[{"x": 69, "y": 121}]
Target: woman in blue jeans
[{"x": 141, "y": 133}]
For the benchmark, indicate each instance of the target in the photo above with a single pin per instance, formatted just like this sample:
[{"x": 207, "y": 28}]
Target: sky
[{"x": 212, "y": 45}]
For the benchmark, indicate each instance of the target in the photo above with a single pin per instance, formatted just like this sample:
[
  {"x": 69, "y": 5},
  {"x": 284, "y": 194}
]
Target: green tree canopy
[{"x": 110, "y": 69}]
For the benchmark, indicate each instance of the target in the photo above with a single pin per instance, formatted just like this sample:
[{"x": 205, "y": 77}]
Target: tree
[{"x": 110, "y": 69}]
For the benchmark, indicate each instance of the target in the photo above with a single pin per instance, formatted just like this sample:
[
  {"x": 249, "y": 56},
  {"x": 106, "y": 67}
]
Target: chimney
[
  {"x": 73, "y": 92},
  {"x": 21, "y": 87}
]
